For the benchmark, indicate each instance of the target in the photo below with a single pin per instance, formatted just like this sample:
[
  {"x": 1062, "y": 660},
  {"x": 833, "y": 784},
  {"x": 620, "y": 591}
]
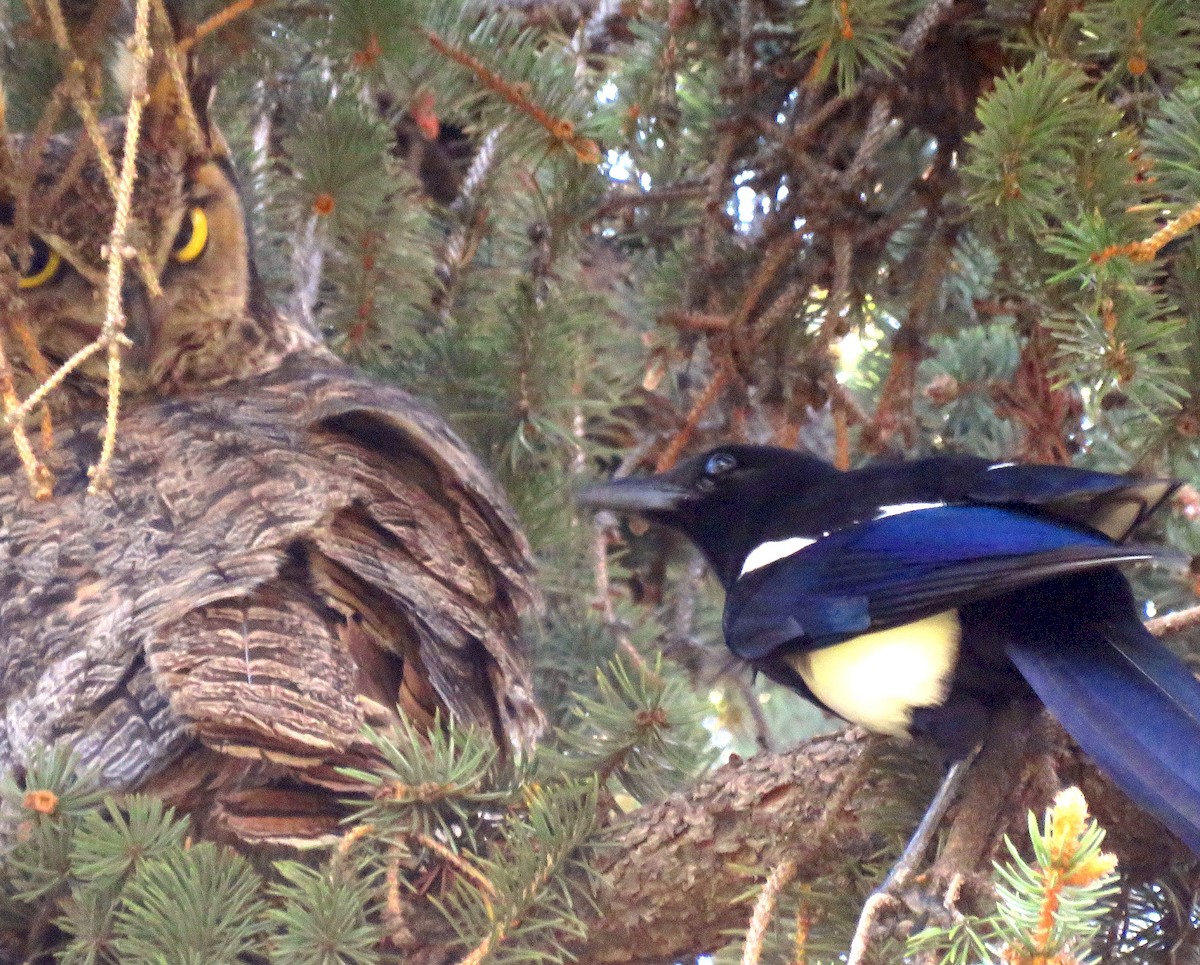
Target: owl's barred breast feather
[{"x": 280, "y": 562}]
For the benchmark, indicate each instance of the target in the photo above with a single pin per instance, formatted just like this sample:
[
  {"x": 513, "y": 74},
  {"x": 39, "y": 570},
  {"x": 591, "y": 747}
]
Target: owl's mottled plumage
[{"x": 289, "y": 550}]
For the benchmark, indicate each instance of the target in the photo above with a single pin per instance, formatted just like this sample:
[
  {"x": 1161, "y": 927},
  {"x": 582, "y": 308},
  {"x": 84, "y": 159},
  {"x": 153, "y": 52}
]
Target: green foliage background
[{"x": 882, "y": 227}]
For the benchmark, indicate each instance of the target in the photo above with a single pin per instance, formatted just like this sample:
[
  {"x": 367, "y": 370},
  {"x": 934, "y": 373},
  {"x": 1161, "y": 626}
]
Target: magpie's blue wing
[
  {"x": 884, "y": 572},
  {"x": 1114, "y": 505}
]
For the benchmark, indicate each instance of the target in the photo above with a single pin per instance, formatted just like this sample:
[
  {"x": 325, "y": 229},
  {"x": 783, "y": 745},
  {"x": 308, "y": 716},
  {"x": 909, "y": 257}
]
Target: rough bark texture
[
  {"x": 677, "y": 876},
  {"x": 676, "y": 882},
  {"x": 677, "y": 879}
]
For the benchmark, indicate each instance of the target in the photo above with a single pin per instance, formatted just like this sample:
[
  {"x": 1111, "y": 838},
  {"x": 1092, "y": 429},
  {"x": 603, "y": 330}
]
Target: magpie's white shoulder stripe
[
  {"x": 885, "y": 511},
  {"x": 776, "y": 549},
  {"x": 772, "y": 550}
]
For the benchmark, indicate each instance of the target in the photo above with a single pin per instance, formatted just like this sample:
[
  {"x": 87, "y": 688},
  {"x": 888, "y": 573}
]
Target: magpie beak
[{"x": 647, "y": 495}]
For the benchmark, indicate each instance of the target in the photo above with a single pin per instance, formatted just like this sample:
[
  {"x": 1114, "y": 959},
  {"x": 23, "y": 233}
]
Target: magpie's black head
[{"x": 723, "y": 500}]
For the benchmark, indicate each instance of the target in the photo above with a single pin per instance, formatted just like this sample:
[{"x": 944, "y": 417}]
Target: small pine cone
[{"x": 943, "y": 390}]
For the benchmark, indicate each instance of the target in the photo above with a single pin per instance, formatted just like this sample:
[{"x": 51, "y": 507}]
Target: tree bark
[{"x": 679, "y": 875}]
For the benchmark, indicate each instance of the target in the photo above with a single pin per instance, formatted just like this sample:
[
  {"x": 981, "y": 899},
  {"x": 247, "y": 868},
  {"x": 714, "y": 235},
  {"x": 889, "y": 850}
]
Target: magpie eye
[
  {"x": 44, "y": 264},
  {"x": 192, "y": 238},
  {"x": 719, "y": 462}
]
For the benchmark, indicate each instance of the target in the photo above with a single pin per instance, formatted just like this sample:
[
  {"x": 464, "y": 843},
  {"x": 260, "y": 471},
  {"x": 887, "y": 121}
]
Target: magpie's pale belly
[{"x": 879, "y": 679}]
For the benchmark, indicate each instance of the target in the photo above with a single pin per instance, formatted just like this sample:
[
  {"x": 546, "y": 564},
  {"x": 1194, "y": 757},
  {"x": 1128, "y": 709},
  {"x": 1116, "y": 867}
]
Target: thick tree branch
[
  {"x": 676, "y": 878},
  {"x": 680, "y": 875}
]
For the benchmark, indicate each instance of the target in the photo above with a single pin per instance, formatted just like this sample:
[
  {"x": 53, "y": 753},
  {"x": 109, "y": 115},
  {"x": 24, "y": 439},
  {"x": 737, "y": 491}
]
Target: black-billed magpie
[{"x": 923, "y": 596}]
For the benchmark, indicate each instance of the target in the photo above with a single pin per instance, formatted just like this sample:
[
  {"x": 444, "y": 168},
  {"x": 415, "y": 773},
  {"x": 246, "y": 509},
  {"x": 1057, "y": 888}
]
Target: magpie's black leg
[
  {"x": 918, "y": 844},
  {"x": 912, "y": 855}
]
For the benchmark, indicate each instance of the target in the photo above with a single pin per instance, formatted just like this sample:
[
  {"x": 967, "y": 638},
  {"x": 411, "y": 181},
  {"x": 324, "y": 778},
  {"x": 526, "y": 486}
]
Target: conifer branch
[
  {"x": 619, "y": 199},
  {"x": 717, "y": 384},
  {"x": 41, "y": 481},
  {"x": 222, "y": 18},
  {"x": 764, "y": 908},
  {"x": 561, "y": 130},
  {"x": 40, "y": 367},
  {"x": 1148, "y": 249},
  {"x": 695, "y": 321}
]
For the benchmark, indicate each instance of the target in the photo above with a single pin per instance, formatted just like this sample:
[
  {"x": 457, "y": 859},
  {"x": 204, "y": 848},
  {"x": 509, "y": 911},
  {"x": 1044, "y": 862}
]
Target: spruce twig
[
  {"x": 717, "y": 384},
  {"x": 222, "y": 18},
  {"x": 764, "y": 909},
  {"x": 560, "y": 129},
  {"x": 1146, "y": 250},
  {"x": 1173, "y": 623}
]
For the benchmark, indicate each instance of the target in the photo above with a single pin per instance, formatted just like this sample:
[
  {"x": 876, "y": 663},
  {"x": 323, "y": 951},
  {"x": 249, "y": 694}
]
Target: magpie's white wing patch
[
  {"x": 885, "y": 511},
  {"x": 772, "y": 550},
  {"x": 776, "y": 549}
]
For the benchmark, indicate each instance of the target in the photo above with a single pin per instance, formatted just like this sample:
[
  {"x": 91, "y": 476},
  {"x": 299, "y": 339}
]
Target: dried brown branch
[
  {"x": 695, "y": 321},
  {"x": 41, "y": 482},
  {"x": 711, "y": 393},
  {"x": 111, "y": 338},
  {"x": 621, "y": 199},
  {"x": 1173, "y": 623},
  {"x": 764, "y": 909},
  {"x": 222, "y": 18}
]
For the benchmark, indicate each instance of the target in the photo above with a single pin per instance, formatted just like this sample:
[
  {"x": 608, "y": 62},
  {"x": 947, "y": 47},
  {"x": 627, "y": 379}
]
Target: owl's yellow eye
[
  {"x": 192, "y": 238},
  {"x": 44, "y": 264}
]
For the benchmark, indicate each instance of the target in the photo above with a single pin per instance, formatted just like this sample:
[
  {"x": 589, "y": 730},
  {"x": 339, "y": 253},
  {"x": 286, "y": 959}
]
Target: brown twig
[
  {"x": 222, "y": 18},
  {"x": 878, "y": 132},
  {"x": 695, "y": 321},
  {"x": 73, "y": 71},
  {"x": 174, "y": 55},
  {"x": 40, "y": 480},
  {"x": 41, "y": 370},
  {"x": 1173, "y": 623},
  {"x": 121, "y": 184},
  {"x": 777, "y": 255},
  {"x": 459, "y": 863},
  {"x": 1146, "y": 250},
  {"x": 602, "y": 537},
  {"x": 745, "y": 689},
  {"x": 618, "y": 200},
  {"x": 764, "y": 908},
  {"x": 711, "y": 393},
  {"x": 714, "y": 194}
]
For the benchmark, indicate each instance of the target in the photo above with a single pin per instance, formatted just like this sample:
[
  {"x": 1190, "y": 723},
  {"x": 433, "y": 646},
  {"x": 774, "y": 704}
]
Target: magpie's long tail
[{"x": 1131, "y": 705}]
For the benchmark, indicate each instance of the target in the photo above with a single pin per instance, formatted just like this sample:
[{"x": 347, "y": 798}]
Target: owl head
[{"x": 208, "y": 322}]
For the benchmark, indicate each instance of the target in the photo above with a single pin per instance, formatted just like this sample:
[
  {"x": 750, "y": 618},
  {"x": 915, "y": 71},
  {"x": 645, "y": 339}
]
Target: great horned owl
[{"x": 289, "y": 550}]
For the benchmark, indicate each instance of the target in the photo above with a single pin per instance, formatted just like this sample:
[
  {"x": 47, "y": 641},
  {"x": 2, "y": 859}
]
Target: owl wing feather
[{"x": 278, "y": 563}]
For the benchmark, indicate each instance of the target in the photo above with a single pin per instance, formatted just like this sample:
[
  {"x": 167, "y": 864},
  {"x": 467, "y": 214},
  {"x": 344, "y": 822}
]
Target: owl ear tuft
[
  {"x": 165, "y": 125},
  {"x": 202, "y": 88}
]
